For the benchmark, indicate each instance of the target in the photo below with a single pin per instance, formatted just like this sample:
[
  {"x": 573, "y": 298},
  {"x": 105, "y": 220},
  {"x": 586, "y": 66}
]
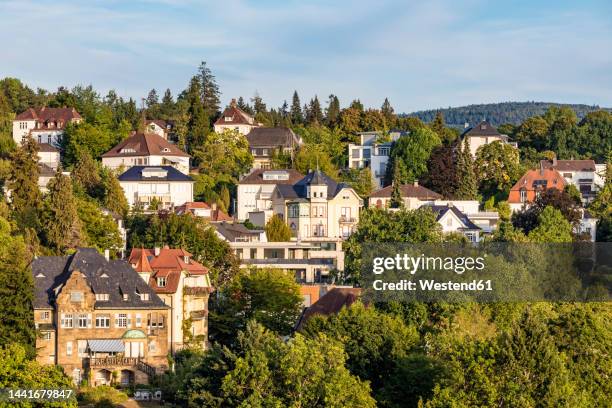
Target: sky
[{"x": 420, "y": 54}]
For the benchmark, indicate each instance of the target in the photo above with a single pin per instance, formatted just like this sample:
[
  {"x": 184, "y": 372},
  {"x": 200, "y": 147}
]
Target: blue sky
[{"x": 420, "y": 54}]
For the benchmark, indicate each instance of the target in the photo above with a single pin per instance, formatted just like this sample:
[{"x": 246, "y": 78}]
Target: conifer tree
[
  {"x": 315, "y": 115},
  {"x": 387, "y": 111},
  {"x": 62, "y": 227},
  {"x": 16, "y": 291},
  {"x": 86, "y": 175},
  {"x": 199, "y": 123},
  {"x": 209, "y": 91},
  {"x": 467, "y": 188},
  {"x": 166, "y": 108},
  {"x": 296, "y": 110},
  {"x": 396, "y": 193},
  {"x": 244, "y": 106},
  {"x": 23, "y": 184},
  {"x": 114, "y": 197},
  {"x": 332, "y": 113}
]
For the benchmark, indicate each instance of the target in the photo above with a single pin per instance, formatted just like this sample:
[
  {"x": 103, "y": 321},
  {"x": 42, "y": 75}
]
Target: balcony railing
[
  {"x": 347, "y": 220},
  {"x": 113, "y": 361}
]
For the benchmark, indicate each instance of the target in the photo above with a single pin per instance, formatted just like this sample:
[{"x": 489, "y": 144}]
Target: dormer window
[
  {"x": 102, "y": 297},
  {"x": 227, "y": 118},
  {"x": 186, "y": 259},
  {"x": 126, "y": 297},
  {"x": 166, "y": 150},
  {"x": 161, "y": 282},
  {"x": 144, "y": 297}
]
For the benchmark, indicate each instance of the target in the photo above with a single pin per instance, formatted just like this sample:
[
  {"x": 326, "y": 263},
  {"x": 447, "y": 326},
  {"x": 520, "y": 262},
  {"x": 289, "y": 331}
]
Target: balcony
[
  {"x": 199, "y": 314},
  {"x": 115, "y": 361},
  {"x": 347, "y": 220}
]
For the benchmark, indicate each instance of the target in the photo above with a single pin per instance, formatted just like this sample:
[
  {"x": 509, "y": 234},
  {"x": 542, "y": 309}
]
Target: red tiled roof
[
  {"x": 332, "y": 302},
  {"x": 145, "y": 144},
  {"x": 237, "y": 115},
  {"x": 143, "y": 265},
  {"x": 569, "y": 165},
  {"x": 159, "y": 122},
  {"x": 534, "y": 180},
  {"x": 215, "y": 214},
  {"x": 45, "y": 115},
  {"x": 409, "y": 190}
]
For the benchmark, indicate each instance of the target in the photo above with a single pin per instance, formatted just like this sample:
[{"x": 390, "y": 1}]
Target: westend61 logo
[{"x": 489, "y": 272}]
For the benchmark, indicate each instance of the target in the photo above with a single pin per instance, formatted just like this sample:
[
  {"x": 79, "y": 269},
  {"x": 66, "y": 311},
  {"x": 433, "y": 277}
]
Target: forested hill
[{"x": 497, "y": 113}]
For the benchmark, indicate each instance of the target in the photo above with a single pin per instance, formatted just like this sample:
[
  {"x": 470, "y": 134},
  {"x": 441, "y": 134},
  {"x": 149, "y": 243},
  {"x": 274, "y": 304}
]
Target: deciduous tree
[{"x": 277, "y": 230}]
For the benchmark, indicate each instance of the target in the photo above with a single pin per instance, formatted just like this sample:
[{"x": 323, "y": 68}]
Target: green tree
[
  {"x": 374, "y": 341},
  {"x": 23, "y": 184},
  {"x": 277, "y": 230},
  {"x": 224, "y": 157},
  {"x": 437, "y": 125},
  {"x": 62, "y": 227},
  {"x": 397, "y": 201},
  {"x": 387, "y": 111},
  {"x": 85, "y": 138},
  {"x": 270, "y": 296},
  {"x": 99, "y": 230},
  {"x": 315, "y": 115},
  {"x": 113, "y": 197},
  {"x": 86, "y": 174},
  {"x": 209, "y": 90},
  {"x": 360, "y": 180},
  {"x": 296, "y": 109},
  {"x": 332, "y": 112},
  {"x": 552, "y": 227},
  {"x": 311, "y": 157},
  {"x": 498, "y": 168},
  {"x": 467, "y": 188},
  {"x": 198, "y": 125},
  {"x": 411, "y": 154},
  {"x": 16, "y": 293},
  {"x": 17, "y": 371}
]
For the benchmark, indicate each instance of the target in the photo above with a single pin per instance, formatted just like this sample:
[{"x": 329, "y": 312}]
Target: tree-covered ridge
[{"x": 498, "y": 113}]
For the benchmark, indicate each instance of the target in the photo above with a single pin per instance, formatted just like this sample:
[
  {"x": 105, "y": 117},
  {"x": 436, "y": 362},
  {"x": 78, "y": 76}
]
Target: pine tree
[
  {"x": 62, "y": 227},
  {"x": 356, "y": 104},
  {"x": 209, "y": 91},
  {"x": 23, "y": 184},
  {"x": 258, "y": 104},
  {"x": 167, "y": 108},
  {"x": 332, "y": 113},
  {"x": 114, "y": 197},
  {"x": 152, "y": 99},
  {"x": 16, "y": 291},
  {"x": 296, "y": 110},
  {"x": 86, "y": 175},
  {"x": 245, "y": 106},
  {"x": 315, "y": 115},
  {"x": 387, "y": 111},
  {"x": 467, "y": 188},
  {"x": 396, "y": 193},
  {"x": 199, "y": 123}
]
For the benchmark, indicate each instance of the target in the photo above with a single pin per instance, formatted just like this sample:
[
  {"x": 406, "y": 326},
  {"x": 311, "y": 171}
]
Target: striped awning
[{"x": 106, "y": 346}]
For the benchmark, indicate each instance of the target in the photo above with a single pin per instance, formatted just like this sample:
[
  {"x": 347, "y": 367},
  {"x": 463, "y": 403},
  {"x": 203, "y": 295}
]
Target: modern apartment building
[
  {"x": 184, "y": 285},
  {"x": 98, "y": 319},
  {"x": 165, "y": 185},
  {"x": 374, "y": 153}
]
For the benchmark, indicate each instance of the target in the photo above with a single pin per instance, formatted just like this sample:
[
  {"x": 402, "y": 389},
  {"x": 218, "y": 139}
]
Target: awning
[{"x": 106, "y": 346}]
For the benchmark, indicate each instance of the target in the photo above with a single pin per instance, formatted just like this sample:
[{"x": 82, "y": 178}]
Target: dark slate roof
[
  {"x": 232, "y": 231},
  {"x": 50, "y": 272},
  {"x": 257, "y": 177},
  {"x": 317, "y": 177},
  {"x": 440, "y": 210},
  {"x": 135, "y": 174},
  {"x": 569, "y": 165},
  {"x": 484, "y": 128},
  {"x": 272, "y": 137}
]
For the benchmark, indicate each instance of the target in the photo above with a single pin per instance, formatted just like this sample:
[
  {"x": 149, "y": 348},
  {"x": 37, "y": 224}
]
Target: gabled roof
[
  {"x": 145, "y": 144},
  {"x": 569, "y": 165},
  {"x": 408, "y": 191},
  {"x": 215, "y": 213},
  {"x": 257, "y": 177},
  {"x": 114, "y": 277},
  {"x": 170, "y": 263},
  {"x": 237, "y": 115},
  {"x": 159, "y": 122},
  {"x": 45, "y": 114},
  {"x": 540, "y": 179},
  {"x": 45, "y": 170},
  {"x": 442, "y": 210},
  {"x": 484, "y": 128},
  {"x": 135, "y": 173},
  {"x": 47, "y": 148},
  {"x": 272, "y": 137}
]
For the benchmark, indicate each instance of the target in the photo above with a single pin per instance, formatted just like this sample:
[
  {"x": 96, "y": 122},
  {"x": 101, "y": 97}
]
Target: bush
[{"x": 102, "y": 396}]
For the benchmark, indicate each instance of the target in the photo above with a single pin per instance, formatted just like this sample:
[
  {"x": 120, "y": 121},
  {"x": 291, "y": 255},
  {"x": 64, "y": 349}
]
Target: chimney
[
  {"x": 416, "y": 183},
  {"x": 466, "y": 125},
  {"x": 233, "y": 102},
  {"x": 107, "y": 254},
  {"x": 156, "y": 251},
  {"x": 554, "y": 161},
  {"x": 213, "y": 206},
  {"x": 541, "y": 168}
]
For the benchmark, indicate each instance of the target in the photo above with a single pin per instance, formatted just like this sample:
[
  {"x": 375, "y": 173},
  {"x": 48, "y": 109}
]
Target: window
[
  {"x": 144, "y": 297},
  {"x": 161, "y": 282},
  {"x": 126, "y": 297},
  {"x": 152, "y": 346},
  {"x": 82, "y": 320},
  {"x": 82, "y": 348},
  {"x": 102, "y": 321},
  {"x": 355, "y": 153},
  {"x": 567, "y": 175},
  {"x": 523, "y": 195},
  {"x": 470, "y": 236},
  {"x": 76, "y": 296},
  {"x": 68, "y": 348},
  {"x": 67, "y": 321},
  {"x": 383, "y": 151},
  {"x": 121, "y": 320},
  {"x": 44, "y": 315},
  {"x": 46, "y": 336},
  {"x": 449, "y": 222},
  {"x": 102, "y": 297},
  {"x": 138, "y": 320}
]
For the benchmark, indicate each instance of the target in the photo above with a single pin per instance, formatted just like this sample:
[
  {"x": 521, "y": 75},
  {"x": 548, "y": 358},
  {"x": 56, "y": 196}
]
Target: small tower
[{"x": 317, "y": 187}]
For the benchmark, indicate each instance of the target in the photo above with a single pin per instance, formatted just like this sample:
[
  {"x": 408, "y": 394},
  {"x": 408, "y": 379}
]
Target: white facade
[
  {"x": 154, "y": 184},
  {"x": 371, "y": 154},
  {"x": 178, "y": 162},
  {"x": 254, "y": 196},
  {"x": 243, "y": 129},
  {"x": 51, "y": 159}
]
